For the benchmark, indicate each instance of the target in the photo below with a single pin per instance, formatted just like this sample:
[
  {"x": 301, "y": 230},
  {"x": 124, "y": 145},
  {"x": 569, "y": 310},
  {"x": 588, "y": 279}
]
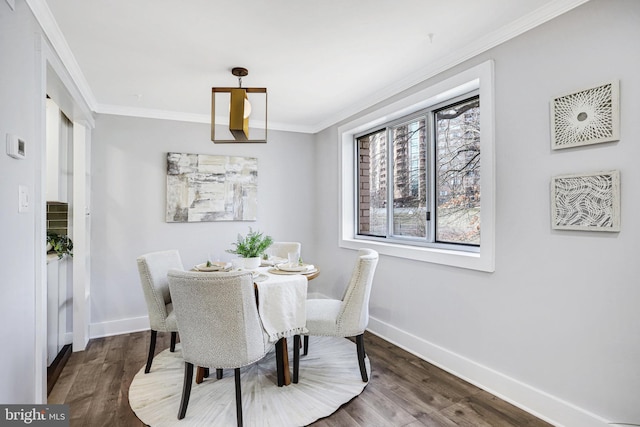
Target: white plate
[
  {"x": 294, "y": 268},
  {"x": 304, "y": 273},
  {"x": 215, "y": 266},
  {"x": 254, "y": 273},
  {"x": 272, "y": 261}
]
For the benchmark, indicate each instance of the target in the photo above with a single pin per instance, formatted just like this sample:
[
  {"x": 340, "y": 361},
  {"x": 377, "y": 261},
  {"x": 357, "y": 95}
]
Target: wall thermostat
[{"x": 15, "y": 147}]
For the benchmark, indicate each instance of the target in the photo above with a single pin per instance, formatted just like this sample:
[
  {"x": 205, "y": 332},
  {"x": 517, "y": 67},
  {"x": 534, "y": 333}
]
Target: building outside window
[{"x": 419, "y": 177}]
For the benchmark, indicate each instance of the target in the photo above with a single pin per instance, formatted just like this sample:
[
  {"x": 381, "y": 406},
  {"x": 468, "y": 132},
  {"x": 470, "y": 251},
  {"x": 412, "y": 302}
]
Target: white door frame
[{"x": 53, "y": 76}]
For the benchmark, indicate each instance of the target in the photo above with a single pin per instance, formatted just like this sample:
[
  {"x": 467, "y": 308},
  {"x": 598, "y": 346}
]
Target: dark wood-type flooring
[{"x": 403, "y": 390}]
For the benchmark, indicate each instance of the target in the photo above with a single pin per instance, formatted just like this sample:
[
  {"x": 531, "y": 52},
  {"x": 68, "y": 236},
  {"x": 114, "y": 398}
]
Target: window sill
[{"x": 469, "y": 260}]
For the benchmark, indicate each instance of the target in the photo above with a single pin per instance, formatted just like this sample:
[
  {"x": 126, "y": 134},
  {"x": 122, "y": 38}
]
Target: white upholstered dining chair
[
  {"x": 282, "y": 249},
  {"x": 153, "y": 268},
  {"x": 349, "y": 316},
  {"x": 219, "y": 325}
]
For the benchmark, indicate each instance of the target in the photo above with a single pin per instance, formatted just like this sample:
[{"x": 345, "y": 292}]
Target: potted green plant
[
  {"x": 251, "y": 247},
  {"x": 61, "y": 244}
]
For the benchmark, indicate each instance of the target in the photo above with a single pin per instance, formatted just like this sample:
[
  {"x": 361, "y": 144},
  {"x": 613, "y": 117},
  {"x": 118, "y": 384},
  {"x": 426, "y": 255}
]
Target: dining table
[{"x": 281, "y": 295}]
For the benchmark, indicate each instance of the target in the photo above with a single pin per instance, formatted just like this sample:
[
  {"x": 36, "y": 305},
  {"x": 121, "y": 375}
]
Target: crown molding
[
  {"x": 149, "y": 113},
  {"x": 543, "y": 14},
  {"x": 59, "y": 44}
]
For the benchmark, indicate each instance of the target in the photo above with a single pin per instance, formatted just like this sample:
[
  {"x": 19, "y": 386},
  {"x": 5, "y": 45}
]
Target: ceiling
[{"x": 321, "y": 61}]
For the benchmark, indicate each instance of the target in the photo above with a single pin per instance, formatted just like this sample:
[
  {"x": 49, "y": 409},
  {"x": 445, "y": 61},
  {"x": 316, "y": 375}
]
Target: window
[
  {"x": 396, "y": 205},
  {"x": 418, "y": 176},
  {"x": 457, "y": 173}
]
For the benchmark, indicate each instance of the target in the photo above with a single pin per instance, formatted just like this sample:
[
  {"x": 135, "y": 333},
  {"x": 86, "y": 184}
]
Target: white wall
[
  {"x": 18, "y": 115},
  {"x": 556, "y": 328},
  {"x": 128, "y": 206}
]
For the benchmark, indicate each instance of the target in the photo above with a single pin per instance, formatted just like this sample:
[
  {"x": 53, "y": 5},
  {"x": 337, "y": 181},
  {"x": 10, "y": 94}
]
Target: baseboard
[
  {"x": 537, "y": 402},
  {"x": 118, "y": 327},
  {"x": 56, "y": 367}
]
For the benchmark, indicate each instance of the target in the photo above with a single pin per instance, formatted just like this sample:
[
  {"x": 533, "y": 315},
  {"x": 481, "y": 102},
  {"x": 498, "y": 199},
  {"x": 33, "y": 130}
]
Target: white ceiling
[{"x": 320, "y": 61}]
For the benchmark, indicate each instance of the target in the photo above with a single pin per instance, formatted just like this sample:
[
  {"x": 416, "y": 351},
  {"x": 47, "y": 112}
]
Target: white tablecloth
[{"x": 282, "y": 304}]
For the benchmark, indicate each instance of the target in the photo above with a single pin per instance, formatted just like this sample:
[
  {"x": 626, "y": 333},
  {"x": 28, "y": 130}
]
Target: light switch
[{"x": 23, "y": 198}]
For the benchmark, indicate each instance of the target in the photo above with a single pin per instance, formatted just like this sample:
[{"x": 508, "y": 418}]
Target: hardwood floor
[{"x": 403, "y": 390}]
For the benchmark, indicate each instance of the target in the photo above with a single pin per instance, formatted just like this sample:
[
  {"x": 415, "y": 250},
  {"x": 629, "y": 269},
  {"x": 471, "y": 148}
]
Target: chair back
[
  {"x": 354, "y": 313},
  {"x": 153, "y": 268},
  {"x": 282, "y": 249},
  {"x": 218, "y": 319}
]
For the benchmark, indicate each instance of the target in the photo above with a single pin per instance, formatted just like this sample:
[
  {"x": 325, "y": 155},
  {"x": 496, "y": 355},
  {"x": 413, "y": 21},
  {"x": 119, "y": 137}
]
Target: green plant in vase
[
  {"x": 252, "y": 245},
  {"x": 60, "y": 243}
]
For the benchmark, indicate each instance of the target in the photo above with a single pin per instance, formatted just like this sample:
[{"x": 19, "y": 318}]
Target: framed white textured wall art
[
  {"x": 204, "y": 187},
  {"x": 590, "y": 116},
  {"x": 586, "y": 202}
]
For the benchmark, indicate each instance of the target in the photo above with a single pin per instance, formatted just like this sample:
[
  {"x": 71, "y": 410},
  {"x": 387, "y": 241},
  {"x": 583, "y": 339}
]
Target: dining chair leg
[
  {"x": 152, "y": 349},
  {"x": 218, "y": 373},
  {"x": 174, "y": 335},
  {"x": 238, "y": 397},
  {"x": 296, "y": 358},
  {"x": 306, "y": 345},
  {"x": 206, "y": 372},
  {"x": 361, "y": 355},
  {"x": 186, "y": 389}
]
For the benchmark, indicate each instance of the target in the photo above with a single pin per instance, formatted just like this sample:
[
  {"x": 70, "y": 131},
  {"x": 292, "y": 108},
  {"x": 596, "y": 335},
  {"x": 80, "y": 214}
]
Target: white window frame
[{"x": 478, "y": 78}]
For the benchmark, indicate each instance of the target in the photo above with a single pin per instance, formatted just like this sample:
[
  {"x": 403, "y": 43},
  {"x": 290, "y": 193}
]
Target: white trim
[
  {"x": 40, "y": 232},
  {"x": 526, "y": 397},
  {"x": 80, "y": 266},
  {"x": 47, "y": 62},
  {"x": 77, "y": 81},
  {"x": 148, "y": 113},
  {"x": 119, "y": 327},
  {"x": 479, "y": 77},
  {"x": 119, "y": 110},
  {"x": 545, "y": 13}
]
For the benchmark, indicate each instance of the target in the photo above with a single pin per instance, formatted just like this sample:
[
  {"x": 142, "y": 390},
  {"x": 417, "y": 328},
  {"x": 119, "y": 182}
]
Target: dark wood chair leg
[
  {"x": 152, "y": 349},
  {"x": 306, "y": 345},
  {"x": 296, "y": 358},
  {"x": 206, "y": 372},
  {"x": 361, "y": 356},
  {"x": 279, "y": 364},
  {"x": 238, "y": 397},
  {"x": 186, "y": 389},
  {"x": 174, "y": 335},
  {"x": 218, "y": 373}
]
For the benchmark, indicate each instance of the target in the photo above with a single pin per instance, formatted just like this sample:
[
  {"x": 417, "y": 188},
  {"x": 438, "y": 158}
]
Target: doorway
[
  {"x": 57, "y": 83},
  {"x": 59, "y": 228}
]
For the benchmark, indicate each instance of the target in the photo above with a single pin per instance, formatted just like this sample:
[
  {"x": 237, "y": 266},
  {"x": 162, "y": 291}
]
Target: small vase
[{"x": 250, "y": 263}]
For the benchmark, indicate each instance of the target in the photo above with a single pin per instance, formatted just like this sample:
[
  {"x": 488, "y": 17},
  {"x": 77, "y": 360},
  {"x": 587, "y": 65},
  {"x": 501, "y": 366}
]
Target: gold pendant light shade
[{"x": 241, "y": 111}]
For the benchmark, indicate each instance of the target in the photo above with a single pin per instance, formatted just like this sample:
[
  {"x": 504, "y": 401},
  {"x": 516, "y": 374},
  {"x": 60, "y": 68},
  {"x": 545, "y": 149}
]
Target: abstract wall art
[
  {"x": 586, "y": 202},
  {"x": 586, "y": 117},
  {"x": 204, "y": 187}
]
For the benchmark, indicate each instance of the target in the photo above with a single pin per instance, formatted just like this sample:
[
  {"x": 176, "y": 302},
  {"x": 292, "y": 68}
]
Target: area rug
[{"x": 329, "y": 376}]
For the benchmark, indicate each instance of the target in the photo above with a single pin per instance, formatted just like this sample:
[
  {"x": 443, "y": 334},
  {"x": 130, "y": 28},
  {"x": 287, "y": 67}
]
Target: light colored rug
[{"x": 329, "y": 377}]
